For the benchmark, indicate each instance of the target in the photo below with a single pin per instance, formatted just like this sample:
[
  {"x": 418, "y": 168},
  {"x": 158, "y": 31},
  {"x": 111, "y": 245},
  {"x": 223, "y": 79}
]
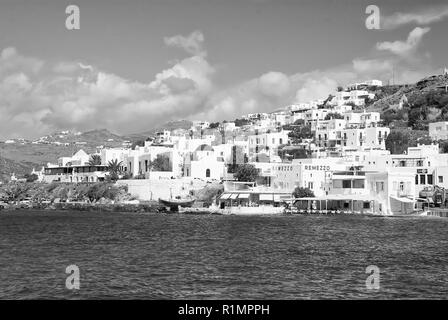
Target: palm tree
[
  {"x": 114, "y": 167},
  {"x": 95, "y": 160}
]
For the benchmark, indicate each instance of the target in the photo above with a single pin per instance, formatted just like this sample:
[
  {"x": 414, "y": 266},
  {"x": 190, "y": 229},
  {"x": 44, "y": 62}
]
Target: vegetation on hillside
[{"x": 399, "y": 140}]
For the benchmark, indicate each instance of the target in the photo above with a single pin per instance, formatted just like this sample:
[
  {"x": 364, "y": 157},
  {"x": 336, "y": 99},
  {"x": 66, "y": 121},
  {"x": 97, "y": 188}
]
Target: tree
[
  {"x": 444, "y": 146},
  {"x": 16, "y": 191},
  {"x": 213, "y": 125},
  {"x": 31, "y": 177},
  {"x": 246, "y": 173},
  {"x": 241, "y": 122},
  {"x": 161, "y": 163},
  {"x": 139, "y": 143},
  {"x": 294, "y": 153},
  {"x": 114, "y": 167},
  {"x": 300, "y": 192},
  {"x": 340, "y": 89},
  {"x": 300, "y": 133},
  {"x": 95, "y": 160},
  {"x": 397, "y": 142}
]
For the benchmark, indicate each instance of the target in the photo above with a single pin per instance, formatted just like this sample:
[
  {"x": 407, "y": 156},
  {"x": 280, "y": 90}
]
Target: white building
[
  {"x": 267, "y": 142},
  {"x": 79, "y": 158},
  {"x": 438, "y": 130},
  {"x": 204, "y": 164}
]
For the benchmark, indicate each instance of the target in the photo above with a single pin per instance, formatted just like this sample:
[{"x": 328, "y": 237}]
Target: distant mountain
[
  {"x": 98, "y": 137},
  {"x": 8, "y": 167},
  {"x": 171, "y": 125},
  {"x": 22, "y": 157}
]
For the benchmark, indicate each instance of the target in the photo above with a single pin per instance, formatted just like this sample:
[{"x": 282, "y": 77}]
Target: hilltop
[
  {"x": 413, "y": 105},
  {"x": 171, "y": 125}
]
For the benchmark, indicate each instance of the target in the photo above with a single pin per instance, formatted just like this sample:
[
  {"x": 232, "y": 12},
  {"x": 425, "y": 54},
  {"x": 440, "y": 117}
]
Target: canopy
[
  {"x": 266, "y": 197},
  {"x": 351, "y": 197},
  {"x": 234, "y": 196},
  {"x": 402, "y": 199},
  {"x": 243, "y": 196},
  {"x": 225, "y": 196}
]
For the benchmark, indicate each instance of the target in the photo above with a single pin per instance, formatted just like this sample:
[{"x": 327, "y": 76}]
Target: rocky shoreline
[{"x": 151, "y": 207}]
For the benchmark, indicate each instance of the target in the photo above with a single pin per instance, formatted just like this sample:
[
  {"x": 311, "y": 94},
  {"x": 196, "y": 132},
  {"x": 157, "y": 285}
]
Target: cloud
[
  {"x": 38, "y": 97},
  {"x": 11, "y": 60},
  {"x": 36, "y": 100},
  {"x": 192, "y": 44},
  {"x": 371, "y": 65},
  {"x": 422, "y": 17},
  {"x": 274, "y": 84},
  {"x": 407, "y": 48}
]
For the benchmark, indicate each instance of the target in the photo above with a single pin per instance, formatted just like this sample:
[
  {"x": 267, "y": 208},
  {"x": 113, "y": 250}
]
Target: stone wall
[{"x": 153, "y": 189}]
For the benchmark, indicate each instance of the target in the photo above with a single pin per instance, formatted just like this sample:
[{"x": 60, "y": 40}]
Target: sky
[{"x": 136, "y": 64}]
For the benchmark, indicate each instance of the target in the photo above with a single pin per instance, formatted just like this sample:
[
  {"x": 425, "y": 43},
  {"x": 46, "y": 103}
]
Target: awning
[
  {"x": 225, "y": 196},
  {"x": 266, "y": 197},
  {"x": 243, "y": 196},
  {"x": 402, "y": 199},
  {"x": 234, "y": 196}
]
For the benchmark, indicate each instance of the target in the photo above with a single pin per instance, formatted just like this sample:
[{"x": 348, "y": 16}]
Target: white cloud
[
  {"x": 192, "y": 44},
  {"x": 70, "y": 95},
  {"x": 422, "y": 17},
  {"x": 405, "y": 49},
  {"x": 37, "y": 98},
  {"x": 274, "y": 84},
  {"x": 371, "y": 65}
]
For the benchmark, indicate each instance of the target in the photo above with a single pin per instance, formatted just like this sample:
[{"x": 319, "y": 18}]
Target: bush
[
  {"x": 300, "y": 192},
  {"x": 246, "y": 173}
]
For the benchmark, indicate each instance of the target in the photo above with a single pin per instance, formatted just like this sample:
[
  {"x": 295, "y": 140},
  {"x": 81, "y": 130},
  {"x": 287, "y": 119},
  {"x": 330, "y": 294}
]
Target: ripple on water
[{"x": 220, "y": 257}]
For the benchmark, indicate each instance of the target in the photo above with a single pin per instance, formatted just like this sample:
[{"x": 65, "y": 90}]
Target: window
[
  {"x": 366, "y": 205},
  {"x": 440, "y": 179},
  {"x": 346, "y": 184},
  {"x": 430, "y": 179},
  {"x": 416, "y": 179},
  {"x": 401, "y": 186},
  {"x": 207, "y": 173},
  {"x": 422, "y": 179}
]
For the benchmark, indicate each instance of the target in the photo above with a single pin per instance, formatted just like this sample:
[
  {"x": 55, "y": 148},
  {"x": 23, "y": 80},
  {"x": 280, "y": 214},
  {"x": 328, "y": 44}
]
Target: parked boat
[
  {"x": 257, "y": 210},
  {"x": 175, "y": 203}
]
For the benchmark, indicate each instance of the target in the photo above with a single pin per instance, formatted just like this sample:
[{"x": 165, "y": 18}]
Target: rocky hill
[
  {"x": 413, "y": 105},
  {"x": 171, "y": 125},
  {"x": 8, "y": 166}
]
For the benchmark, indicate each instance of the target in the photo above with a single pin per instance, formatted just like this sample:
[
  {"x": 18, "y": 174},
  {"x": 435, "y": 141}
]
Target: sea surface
[{"x": 155, "y": 256}]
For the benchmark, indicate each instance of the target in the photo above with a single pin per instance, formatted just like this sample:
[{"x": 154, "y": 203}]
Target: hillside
[
  {"x": 401, "y": 106},
  {"x": 172, "y": 125},
  {"x": 423, "y": 102},
  {"x": 21, "y": 157}
]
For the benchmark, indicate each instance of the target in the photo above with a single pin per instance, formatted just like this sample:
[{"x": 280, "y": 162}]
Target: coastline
[{"x": 150, "y": 207}]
